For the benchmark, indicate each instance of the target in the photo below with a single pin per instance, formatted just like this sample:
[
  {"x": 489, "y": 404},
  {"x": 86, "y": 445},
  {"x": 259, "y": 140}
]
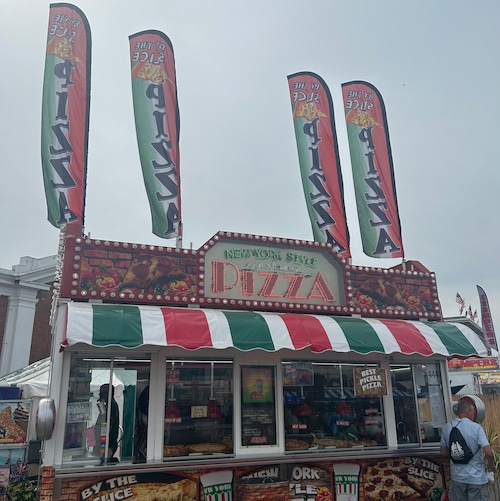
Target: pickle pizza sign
[
  {"x": 248, "y": 270},
  {"x": 370, "y": 381}
]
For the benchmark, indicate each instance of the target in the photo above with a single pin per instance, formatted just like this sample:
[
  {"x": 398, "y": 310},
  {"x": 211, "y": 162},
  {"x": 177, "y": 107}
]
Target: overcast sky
[{"x": 435, "y": 64}]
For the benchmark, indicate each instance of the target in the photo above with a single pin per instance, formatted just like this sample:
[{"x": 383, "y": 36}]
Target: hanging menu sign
[
  {"x": 370, "y": 381},
  {"x": 173, "y": 375}
]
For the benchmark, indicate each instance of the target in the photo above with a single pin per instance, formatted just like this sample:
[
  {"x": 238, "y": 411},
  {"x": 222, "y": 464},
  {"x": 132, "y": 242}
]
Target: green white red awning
[{"x": 132, "y": 326}]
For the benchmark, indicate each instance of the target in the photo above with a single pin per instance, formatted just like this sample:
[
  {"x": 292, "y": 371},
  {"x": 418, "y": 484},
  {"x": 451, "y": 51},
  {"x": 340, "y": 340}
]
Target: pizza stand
[{"x": 256, "y": 368}]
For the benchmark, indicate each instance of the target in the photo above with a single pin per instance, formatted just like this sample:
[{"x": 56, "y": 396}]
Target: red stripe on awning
[
  {"x": 187, "y": 328},
  {"x": 409, "y": 338},
  {"x": 306, "y": 331}
]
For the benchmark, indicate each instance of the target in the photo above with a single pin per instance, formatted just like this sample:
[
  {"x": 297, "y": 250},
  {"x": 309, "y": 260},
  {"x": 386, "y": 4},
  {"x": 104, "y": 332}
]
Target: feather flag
[
  {"x": 486, "y": 319},
  {"x": 65, "y": 114},
  {"x": 313, "y": 119},
  {"x": 154, "y": 93},
  {"x": 372, "y": 170}
]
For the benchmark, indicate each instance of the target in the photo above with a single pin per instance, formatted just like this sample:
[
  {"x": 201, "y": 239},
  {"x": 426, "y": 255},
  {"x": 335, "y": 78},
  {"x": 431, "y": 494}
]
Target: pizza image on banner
[
  {"x": 402, "y": 478},
  {"x": 146, "y": 487}
]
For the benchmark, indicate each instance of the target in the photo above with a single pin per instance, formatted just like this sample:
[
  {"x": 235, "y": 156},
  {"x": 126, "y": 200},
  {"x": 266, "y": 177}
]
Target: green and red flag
[
  {"x": 487, "y": 320},
  {"x": 372, "y": 170},
  {"x": 65, "y": 114},
  {"x": 319, "y": 160},
  {"x": 154, "y": 93}
]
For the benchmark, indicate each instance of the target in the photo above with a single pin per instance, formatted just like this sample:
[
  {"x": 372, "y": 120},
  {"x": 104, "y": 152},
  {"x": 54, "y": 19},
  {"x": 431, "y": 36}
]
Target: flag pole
[{"x": 178, "y": 241}]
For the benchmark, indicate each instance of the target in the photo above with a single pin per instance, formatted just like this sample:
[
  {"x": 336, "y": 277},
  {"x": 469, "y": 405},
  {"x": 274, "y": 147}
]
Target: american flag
[
  {"x": 461, "y": 302},
  {"x": 470, "y": 312}
]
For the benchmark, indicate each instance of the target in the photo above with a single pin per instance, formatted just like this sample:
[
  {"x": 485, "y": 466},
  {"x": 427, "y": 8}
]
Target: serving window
[
  {"x": 101, "y": 424},
  {"x": 332, "y": 405},
  {"x": 418, "y": 403},
  {"x": 198, "y": 408}
]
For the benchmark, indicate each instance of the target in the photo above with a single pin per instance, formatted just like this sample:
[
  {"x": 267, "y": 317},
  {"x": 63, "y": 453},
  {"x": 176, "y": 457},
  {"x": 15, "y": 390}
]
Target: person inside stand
[
  {"x": 141, "y": 431},
  {"x": 469, "y": 482},
  {"x": 102, "y": 418}
]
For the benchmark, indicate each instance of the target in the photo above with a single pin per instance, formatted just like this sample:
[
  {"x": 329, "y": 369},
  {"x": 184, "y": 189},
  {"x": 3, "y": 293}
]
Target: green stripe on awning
[
  {"x": 360, "y": 335},
  {"x": 455, "y": 342},
  {"x": 111, "y": 323},
  {"x": 249, "y": 330}
]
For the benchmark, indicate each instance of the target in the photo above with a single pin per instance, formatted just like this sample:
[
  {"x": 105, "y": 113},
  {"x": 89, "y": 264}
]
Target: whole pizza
[
  {"x": 331, "y": 442},
  {"x": 293, "y": 444},
  {"x": 174, "y": 450},
  {"x": 207, "y": 448},
  {"x": 401, "y": 478}
]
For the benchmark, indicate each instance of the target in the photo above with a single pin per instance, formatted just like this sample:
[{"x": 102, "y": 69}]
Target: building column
[{"x": 18, "y": 333}]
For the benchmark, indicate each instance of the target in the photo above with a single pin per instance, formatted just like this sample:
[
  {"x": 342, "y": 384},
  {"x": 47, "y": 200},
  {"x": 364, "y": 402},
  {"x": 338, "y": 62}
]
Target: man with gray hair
[{"x": 469, "y": 481}]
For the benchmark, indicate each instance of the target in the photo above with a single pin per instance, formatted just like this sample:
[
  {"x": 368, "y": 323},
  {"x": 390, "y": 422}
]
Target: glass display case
[
  {"x": 198, "y": 408},
  {"x": 323, "y": 408}
]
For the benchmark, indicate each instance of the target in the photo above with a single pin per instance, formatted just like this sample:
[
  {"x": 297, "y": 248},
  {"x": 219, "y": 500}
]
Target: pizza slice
[
  {"x": 388, "y": 487},
  {"x": 184, "y": 490},
  {"x": 9, "y": 430},
  {"x": 424, "y": 477}
]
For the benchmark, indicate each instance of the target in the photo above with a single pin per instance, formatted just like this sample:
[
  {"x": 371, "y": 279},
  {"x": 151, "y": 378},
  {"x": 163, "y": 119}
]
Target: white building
[{"x": 25, "y": 304}]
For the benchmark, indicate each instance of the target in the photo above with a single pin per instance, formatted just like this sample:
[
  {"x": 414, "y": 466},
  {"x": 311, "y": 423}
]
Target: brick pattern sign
[{"x": 128, "y": 273}]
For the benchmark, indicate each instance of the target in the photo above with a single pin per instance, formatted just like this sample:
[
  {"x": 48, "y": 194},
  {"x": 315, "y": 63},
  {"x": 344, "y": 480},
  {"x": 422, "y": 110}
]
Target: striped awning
[{"x": 132, "y": 326}]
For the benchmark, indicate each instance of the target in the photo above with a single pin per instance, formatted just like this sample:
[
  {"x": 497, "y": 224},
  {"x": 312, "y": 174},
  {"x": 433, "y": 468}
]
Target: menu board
[{"x": 258, "y": 408}]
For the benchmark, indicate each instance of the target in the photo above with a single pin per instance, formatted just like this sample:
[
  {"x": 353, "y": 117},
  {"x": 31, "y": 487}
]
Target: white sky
[{"x": 435, "y": 64}]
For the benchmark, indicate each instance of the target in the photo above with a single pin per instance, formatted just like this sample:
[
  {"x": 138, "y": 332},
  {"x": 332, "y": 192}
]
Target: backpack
[{"x": 460, "y": 452}]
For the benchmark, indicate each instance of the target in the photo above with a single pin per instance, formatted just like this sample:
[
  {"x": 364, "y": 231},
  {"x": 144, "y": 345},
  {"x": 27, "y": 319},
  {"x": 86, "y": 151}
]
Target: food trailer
[{"x": 254, "y": 367}]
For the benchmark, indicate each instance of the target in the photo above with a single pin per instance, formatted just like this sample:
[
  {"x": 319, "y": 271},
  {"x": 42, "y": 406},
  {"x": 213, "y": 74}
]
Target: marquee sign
[{"x": 272, "y": 272}]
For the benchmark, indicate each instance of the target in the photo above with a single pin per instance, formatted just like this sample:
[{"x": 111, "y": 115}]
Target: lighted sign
[
  {"x": 271, "y": 272},
  {"x": 473, "y": 364},
  {"x": 247, "y": 272}
]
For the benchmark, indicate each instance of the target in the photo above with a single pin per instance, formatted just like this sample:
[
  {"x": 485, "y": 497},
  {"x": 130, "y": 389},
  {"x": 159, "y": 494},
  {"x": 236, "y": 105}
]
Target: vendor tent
[{"x": 32, "y": 380}]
